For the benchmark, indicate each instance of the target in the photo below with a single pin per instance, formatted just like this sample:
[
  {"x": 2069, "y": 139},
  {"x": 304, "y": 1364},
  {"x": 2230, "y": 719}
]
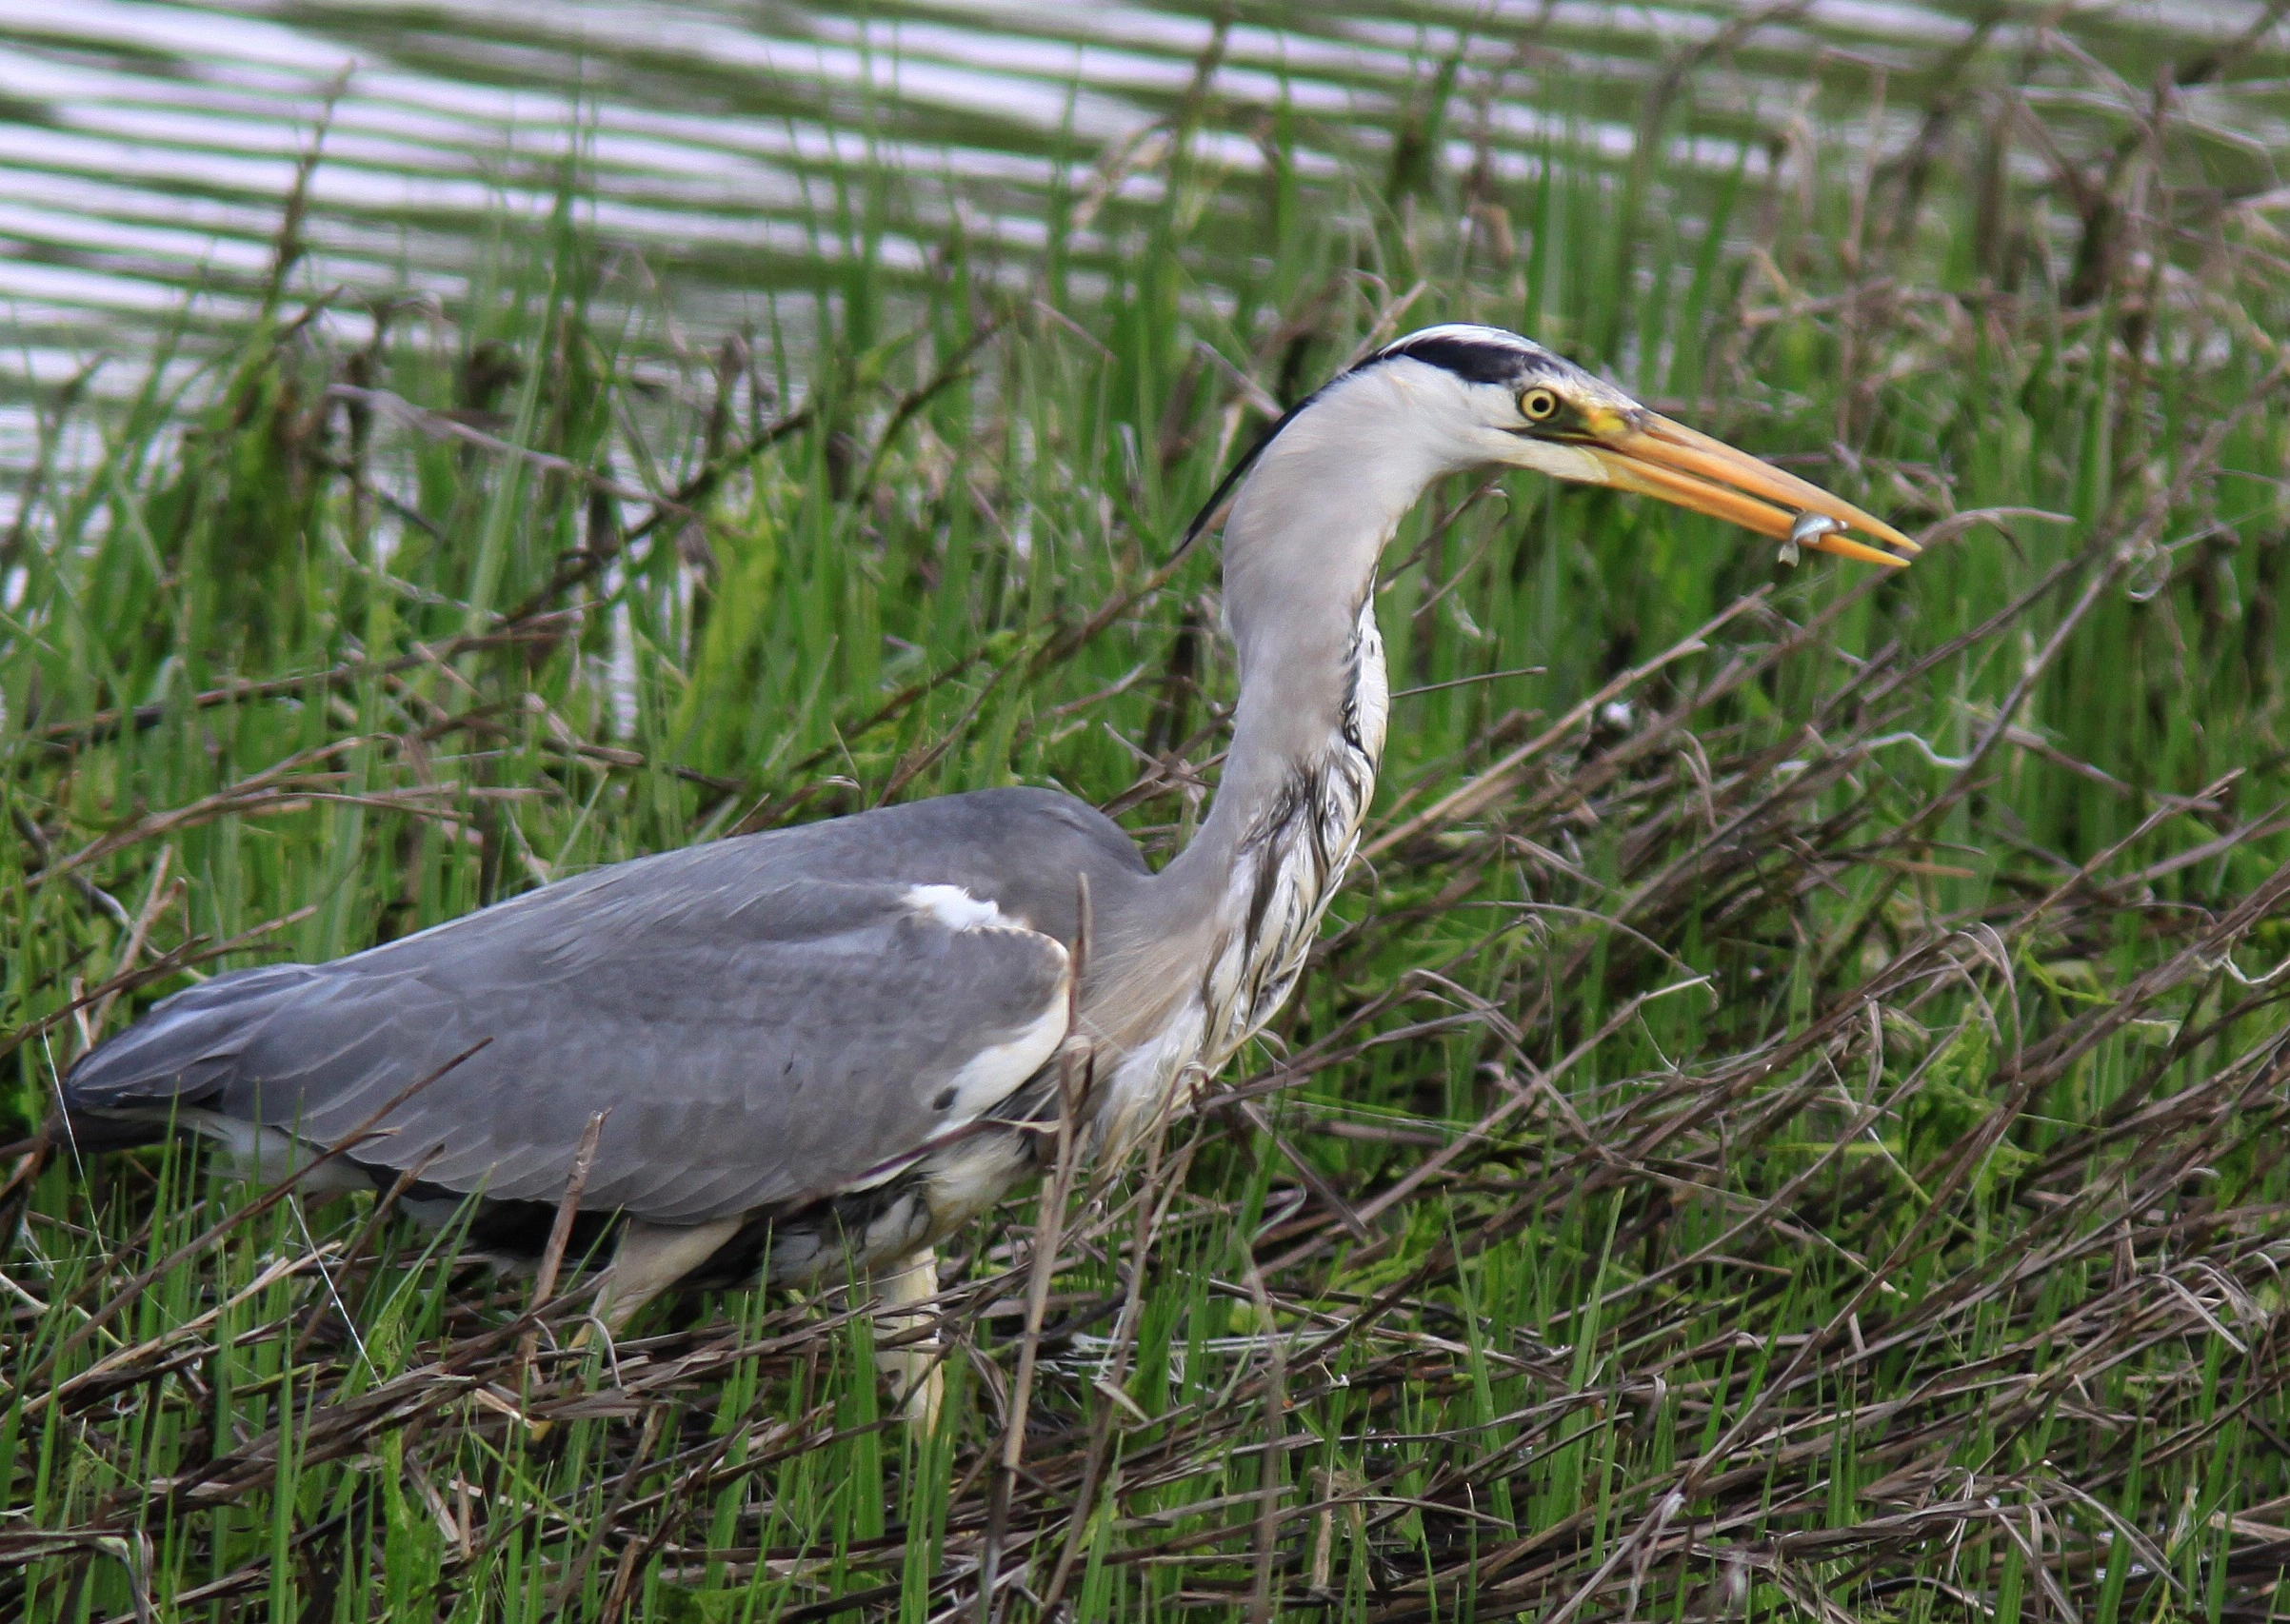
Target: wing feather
[{"x": 754, "y": 1042}]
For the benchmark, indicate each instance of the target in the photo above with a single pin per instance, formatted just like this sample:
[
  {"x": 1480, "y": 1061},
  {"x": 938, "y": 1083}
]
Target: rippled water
[{"x": 146, "y": 148}]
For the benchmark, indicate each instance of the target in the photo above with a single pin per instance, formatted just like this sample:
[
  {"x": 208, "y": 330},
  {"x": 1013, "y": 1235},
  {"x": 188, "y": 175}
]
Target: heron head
[{"x": 1487, "y": 396}]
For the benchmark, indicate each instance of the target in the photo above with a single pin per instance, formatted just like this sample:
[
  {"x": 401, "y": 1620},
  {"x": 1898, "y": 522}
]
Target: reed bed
[{"x": 1790, "y": 1121}]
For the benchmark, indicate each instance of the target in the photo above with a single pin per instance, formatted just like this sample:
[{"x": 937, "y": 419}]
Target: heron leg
[
  {"x": 651, "y": 1258},
  {"x": 916, "y": 1377}
]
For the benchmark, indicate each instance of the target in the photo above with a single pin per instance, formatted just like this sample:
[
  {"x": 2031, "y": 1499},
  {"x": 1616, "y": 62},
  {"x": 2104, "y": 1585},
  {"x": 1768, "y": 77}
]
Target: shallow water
[{"x": 146, "y": 148}]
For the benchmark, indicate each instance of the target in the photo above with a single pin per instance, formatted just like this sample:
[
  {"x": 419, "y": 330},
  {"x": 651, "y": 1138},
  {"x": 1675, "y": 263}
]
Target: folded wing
[{"x": 754, "y": 1042}]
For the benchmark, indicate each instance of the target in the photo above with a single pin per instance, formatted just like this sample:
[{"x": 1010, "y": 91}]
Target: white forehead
[{"x": 1469, "y": 332}]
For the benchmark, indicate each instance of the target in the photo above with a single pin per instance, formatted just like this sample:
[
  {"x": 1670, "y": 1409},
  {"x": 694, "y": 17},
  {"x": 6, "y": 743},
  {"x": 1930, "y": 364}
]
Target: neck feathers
[
  {"x": 1217, "y": 943},
  {"x": 1300, "y": 549},
  {"x": 1293, "y": 851}
]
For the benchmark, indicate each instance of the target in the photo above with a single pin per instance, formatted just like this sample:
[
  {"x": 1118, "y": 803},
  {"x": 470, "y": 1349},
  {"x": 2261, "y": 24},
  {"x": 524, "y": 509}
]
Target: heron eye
[{"x": 1538, "y": 405}]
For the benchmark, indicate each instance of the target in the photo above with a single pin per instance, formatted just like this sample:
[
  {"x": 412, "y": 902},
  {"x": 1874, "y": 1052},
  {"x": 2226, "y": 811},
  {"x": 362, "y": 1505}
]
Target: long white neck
[
  {"x": 1213, "y": 948},
  {"x": 1301, "y": 550},
  {"x": 1226, "y": 922}
]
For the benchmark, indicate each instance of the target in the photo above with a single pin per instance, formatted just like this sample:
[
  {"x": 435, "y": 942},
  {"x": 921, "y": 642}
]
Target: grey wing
[{"x": 752, "y": 1045}]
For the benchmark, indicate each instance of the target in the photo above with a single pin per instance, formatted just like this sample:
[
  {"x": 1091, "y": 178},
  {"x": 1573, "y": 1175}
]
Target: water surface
[{"x": 146, "y": 149}]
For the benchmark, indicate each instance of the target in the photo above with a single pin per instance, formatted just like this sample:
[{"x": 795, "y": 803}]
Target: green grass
[{"x": 1802, "y": 1138}]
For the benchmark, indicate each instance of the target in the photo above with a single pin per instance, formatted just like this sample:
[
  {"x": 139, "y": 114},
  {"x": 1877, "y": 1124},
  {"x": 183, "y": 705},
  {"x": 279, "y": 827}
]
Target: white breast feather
[
  {"x": 1371, "y": 693},
  {"x": 1149, "y": 1072}
]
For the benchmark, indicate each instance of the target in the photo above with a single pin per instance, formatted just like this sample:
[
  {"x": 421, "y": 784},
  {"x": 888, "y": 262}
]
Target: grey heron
[{"x": 830, "y": 1045}]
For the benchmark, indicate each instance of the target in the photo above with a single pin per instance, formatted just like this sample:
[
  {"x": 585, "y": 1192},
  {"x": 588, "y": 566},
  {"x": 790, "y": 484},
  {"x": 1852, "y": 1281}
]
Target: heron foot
[{"x": 917, "y": 1379}]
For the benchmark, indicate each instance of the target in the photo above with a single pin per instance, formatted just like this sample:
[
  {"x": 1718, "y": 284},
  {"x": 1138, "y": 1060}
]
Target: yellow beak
[{"x": 1655, "y": 457}]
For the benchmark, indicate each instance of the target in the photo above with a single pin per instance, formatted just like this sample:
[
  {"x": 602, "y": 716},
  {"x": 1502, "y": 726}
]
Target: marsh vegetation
[{"x": 1789, "y": 1121}]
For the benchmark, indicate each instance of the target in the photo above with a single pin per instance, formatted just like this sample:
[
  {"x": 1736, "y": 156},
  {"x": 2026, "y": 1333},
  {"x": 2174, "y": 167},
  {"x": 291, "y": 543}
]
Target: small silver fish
[{"x": 1809, "y": 527}]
